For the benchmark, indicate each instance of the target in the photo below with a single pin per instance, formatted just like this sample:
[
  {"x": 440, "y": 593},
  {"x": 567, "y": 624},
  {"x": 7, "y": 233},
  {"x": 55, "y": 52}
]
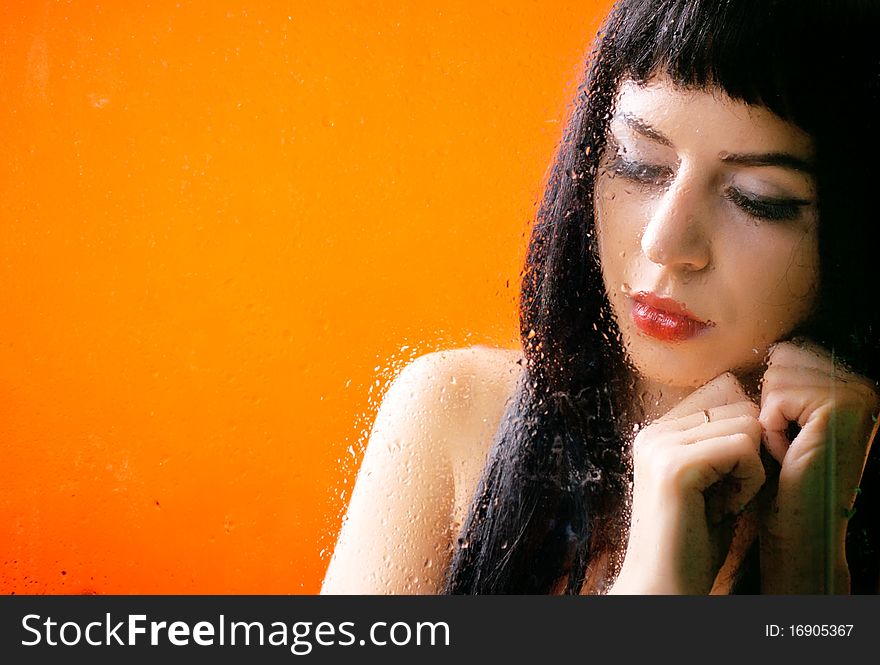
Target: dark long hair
[{"x": 550, "y": 508}]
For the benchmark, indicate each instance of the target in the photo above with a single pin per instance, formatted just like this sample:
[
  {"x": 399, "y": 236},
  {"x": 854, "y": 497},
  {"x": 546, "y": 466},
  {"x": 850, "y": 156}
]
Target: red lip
[{"x": 664, "y": 318}]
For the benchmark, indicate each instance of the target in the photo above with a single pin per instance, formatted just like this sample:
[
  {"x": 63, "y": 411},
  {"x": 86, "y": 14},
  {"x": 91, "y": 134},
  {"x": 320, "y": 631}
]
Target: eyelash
[
  {"x": 772, "y": 210},
  {"x": 640, "y": 172}
]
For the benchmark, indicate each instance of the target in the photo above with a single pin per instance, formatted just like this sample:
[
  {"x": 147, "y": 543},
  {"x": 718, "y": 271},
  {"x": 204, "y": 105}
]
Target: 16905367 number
[{"x": 820, "y": 630}]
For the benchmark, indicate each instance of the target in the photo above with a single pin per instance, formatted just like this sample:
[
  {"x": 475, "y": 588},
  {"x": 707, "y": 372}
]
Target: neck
[{"x": 656, "y": 399}]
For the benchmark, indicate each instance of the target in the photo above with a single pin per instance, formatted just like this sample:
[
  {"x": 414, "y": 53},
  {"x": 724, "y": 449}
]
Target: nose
[{"x": 676, "y": 235}]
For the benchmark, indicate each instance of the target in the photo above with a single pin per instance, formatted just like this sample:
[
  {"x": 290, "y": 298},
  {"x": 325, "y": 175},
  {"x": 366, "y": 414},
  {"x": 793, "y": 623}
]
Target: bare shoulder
[
  {"x": 464, "y": 387},
  {"x": 459, "y": 396},
  {"x": 424, "y": 456},
  {"x": 476, "y": 385}
]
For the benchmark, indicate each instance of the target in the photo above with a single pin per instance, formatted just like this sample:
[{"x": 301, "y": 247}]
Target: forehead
[{"x": 706, "y": 117}]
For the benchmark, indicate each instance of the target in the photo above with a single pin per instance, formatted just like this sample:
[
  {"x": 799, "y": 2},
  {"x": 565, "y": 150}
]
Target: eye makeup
[
  {"x": 769, "y": 209},
  {"x": 652, "y": 175},
  {"x": 641, "y": 172}
]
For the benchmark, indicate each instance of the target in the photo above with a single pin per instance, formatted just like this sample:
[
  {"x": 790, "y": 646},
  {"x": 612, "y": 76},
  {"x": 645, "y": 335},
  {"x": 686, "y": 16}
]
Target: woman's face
[{"x": 707, "y": 228}]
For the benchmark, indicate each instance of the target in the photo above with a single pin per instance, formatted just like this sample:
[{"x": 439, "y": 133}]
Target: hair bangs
[{"x": 745, "y": 49}]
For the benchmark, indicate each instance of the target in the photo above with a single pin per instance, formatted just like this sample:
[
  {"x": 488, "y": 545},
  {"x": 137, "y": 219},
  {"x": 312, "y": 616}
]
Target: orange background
[{"x": 224, "y": 226}]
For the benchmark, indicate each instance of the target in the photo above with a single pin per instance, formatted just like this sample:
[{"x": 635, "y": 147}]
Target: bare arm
[{"x": 396, "y": 537}]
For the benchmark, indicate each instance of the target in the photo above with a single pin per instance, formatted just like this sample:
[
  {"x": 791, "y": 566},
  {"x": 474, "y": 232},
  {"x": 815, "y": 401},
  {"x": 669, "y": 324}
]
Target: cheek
[
  {"x": 619, "y": 223},
  {"x": 780, "y": 276}
]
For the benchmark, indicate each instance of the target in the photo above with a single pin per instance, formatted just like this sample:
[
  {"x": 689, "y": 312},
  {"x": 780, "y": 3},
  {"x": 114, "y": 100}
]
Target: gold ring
[{"x": 706, "y": 416}]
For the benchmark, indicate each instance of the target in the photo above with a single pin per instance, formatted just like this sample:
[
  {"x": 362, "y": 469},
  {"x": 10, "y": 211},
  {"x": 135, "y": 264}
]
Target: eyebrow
[
  {"x": 782, "y": 159},
  {"x": 637, "y": 124}
]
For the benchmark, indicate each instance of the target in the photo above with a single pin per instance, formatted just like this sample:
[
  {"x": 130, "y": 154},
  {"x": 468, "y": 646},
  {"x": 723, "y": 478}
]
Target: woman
[{"x": 693, "y": 405}]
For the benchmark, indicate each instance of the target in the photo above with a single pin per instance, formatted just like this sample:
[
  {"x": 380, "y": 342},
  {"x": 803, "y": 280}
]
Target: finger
[
  {"x": 824, "y": 378},
  {"x": 783, "y": 406},
  {"x": 705, "y": 463},
  {"x": 806, "y": 357},
  {"x": 779, "y": 408},
  {"x": 746, "y": 423},
  {"x": 800, "y": 352},
  {"x": 782, "y": 376},
  {"x": 777, "y": 444},
  {"x": 701, "y": 417},
  {"x": 845, "y": 410}
]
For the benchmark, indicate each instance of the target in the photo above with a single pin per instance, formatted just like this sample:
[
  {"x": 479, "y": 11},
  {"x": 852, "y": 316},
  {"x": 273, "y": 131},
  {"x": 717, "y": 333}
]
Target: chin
[{"x": 675, "y": 373}]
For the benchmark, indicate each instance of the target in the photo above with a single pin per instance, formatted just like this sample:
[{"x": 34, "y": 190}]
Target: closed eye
[
  {"x": 641, "y": 172},
  {"x": 770, "y": 209}
]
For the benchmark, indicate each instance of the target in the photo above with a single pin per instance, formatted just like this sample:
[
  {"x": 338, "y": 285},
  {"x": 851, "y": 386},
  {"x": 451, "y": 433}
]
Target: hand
[
  {"x": 803, "y": 525},
  {"x": 692, "y": 475}
]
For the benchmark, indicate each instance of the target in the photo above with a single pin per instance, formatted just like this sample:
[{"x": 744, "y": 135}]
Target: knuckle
[
  {"x": 751, "y": 426},
  {"x": 727, "y": 379},
  {"x": 646, "y": 437},
  {"x": 776, "y": 347},
  {"x": 732, "y": 385},
  {"x": 768, "y": 379},
  {"x": 742, "y": 444},
  {"x": 658, "y": 463},
  {"x": 782, "y": 347},
  {"x": 749, "y": 409},
  {"x": 741, "y": 440},
  {"x": 770, "y": 401}
]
